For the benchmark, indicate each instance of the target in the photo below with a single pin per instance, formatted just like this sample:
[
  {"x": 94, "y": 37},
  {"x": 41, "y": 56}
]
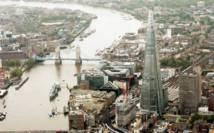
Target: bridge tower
[
  {"x": 78, "y": 60},
  {"x": 58, "y": 57}
]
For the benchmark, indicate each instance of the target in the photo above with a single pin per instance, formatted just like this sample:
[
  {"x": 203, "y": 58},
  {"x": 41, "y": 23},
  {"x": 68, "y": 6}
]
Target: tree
[
  {"x": 172, "y": 62},
  {"x": 29, "y": 63},
  {"x": 16, "y": 73},
  {"x": 13, "y": 63}
]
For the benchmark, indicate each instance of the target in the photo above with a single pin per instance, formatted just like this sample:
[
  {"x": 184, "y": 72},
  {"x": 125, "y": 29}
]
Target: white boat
[
  {"x": 3, "y": 93},
  {"x": 2, "y": 116}
]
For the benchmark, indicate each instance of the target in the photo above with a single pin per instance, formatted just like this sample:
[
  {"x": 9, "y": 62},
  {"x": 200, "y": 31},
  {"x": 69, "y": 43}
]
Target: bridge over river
[{"x": 72, "y": 59}]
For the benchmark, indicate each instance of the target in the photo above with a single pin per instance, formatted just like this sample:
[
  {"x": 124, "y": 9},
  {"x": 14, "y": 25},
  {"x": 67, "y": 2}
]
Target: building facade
[
  {"x": 151, "y": 92},
  {"x": 125, "y": 111},
  {"x": 189, "y": 93},
  {"x": 210, "y": 103}
]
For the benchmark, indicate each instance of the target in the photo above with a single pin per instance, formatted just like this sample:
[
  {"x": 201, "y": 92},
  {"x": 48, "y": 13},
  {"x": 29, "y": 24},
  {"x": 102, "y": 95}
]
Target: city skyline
[{"x": 100, "y": 66}]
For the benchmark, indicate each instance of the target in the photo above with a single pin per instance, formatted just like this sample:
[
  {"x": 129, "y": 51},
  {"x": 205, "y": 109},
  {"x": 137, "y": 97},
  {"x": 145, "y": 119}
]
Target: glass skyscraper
[{"x": 151, "y": 91}]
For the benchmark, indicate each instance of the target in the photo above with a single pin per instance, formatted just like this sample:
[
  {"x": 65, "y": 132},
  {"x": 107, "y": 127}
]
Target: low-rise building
[
  {"x": 95, "y": 103},
  {"x": 210, "y": 103},
  {"x": 125, "y": 111},
  {"x": 95, "y": 78},
  {"x": 76, "y": 120}
]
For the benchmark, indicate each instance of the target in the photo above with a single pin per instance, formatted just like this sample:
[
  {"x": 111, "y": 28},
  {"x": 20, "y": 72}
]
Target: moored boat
[
  {"x": 65, "y": 110},
  {"x": 54, "y": 91},
  {"x": 3, "y": 93},
  {"x": 2, "y": 116}
]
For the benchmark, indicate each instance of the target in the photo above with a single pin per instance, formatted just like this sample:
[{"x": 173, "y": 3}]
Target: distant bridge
[{"x": 72, "y": 59}]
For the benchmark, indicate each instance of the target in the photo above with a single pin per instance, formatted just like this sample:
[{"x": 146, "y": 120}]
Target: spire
[
  {"x": 150, "y": 20},
  {"x": 150, "y": 30}
]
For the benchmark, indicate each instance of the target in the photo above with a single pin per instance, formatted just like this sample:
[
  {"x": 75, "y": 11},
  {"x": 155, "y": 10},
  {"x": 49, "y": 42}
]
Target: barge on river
[{"x": 54, "y": 91}]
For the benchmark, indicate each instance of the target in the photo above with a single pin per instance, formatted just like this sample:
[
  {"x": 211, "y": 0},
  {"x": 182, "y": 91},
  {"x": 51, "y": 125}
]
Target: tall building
[
  {"x": 151, "y": 92},
  {"x": 189, "y": 92}
]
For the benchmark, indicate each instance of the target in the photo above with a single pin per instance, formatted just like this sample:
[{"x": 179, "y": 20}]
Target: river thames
[{"x": 28, "y": 108}]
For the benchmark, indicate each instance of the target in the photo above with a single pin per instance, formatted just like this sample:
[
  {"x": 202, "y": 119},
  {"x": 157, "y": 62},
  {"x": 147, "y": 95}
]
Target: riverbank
[
  {"x": 136, "y": 9},
  {"x": 26, "y": 32},
  {"x": 38, "y": 31},
  {"x": 131, "y": 11},
  {"x": 121, "y": 7}
]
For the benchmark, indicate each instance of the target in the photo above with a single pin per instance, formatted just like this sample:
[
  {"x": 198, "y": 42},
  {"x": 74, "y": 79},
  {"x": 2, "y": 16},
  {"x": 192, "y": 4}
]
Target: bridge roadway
[{"x": 72, "y": 59}]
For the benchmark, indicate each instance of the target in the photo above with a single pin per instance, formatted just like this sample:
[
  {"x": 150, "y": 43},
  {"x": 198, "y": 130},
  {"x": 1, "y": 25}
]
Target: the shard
[{"x": 151, "y": 91}]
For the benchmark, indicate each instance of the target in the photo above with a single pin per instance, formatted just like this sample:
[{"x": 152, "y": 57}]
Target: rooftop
[{"x": 91, "y": 101}]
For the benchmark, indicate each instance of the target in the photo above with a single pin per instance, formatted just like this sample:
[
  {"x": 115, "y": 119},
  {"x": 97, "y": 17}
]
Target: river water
[{"x": 28, "y": 108}]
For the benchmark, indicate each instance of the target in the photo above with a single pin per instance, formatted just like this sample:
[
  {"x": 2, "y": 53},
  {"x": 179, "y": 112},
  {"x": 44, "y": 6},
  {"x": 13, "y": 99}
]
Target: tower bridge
[
  {"x": 78, "y": 60},
  {"x": 37, "y": 58},
  {"x": 58, "y": 59}
]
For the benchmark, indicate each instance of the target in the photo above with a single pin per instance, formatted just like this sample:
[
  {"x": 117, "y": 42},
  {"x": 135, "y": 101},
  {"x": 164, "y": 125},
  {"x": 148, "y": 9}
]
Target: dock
[{"x": 22, "y": 83}]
